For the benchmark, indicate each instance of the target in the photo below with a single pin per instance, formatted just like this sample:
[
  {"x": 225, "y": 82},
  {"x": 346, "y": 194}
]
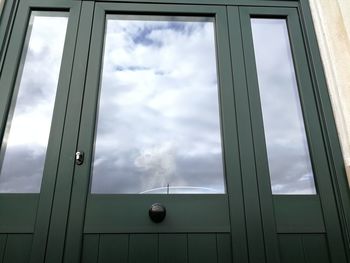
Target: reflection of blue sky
[
  {"x": 288, "y": 154},
  {"x": 26, "y": 140},
  {"x": 158, "y": 121}
]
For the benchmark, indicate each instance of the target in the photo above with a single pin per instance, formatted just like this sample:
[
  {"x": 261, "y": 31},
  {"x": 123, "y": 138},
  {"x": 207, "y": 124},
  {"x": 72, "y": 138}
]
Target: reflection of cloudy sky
[
  {"x": 26, "y": 142},
  {"x": 288, "y": 155},
  {"x": 158, "y": 120}
]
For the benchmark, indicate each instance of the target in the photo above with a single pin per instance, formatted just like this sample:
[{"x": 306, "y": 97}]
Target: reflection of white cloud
[
  {"x": 287, "y": 149},
  {"x": 27, "y": 139},
  {"x": 158, "y": 163},
  {"x": 159, "y": 88}
]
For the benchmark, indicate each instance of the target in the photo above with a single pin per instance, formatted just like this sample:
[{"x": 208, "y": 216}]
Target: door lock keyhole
[{"x": 79, "y": 158}]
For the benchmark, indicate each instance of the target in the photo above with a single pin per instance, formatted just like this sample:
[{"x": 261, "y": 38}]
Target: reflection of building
[{"x": 152, "y": 90}]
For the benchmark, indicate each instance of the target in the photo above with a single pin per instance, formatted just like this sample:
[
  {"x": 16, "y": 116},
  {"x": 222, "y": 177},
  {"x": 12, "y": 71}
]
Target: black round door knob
[{"x": 157, "y": 212}]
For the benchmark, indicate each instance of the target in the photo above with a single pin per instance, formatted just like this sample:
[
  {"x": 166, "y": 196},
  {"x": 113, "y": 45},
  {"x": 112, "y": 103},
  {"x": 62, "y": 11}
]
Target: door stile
[
  {"x": 61, "y": 203},
  {"x": 317, "y": 150},
  {"x": 230, "y": 133},
  {"x": 49, "y": 183},
  {"x": 252, "y": 205},
  {"x": 263, "y": 183},
  {"x": 7, "y": 15},
  {"x": 328, "y": 124}
]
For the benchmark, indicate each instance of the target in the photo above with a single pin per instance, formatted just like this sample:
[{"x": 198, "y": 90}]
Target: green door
[
  {"x": 216, "y": 113},
  {"x": 170, "y": 146}
]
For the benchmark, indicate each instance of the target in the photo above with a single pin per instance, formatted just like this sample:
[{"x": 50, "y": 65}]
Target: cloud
[
  {"x": 27, "y": 134},
  {"x": 287, "y": 149},
  {"x": 158, "y": 122}
]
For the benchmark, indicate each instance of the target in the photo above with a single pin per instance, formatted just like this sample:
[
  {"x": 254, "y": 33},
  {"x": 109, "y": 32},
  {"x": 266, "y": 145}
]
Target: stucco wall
[{"x": 332, "y": 24}]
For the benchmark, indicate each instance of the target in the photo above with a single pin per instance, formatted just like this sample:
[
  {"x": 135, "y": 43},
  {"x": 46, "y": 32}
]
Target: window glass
[
  {"x": 287, "y": 149},
  {"x": 158, "y": 125},
  {"x": 25, "y": 141}
]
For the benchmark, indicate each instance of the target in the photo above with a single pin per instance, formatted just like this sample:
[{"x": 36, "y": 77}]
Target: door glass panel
[
  {"x": 26, "y": 137},
  {"x": 158, "y": 128},
  {"x": 286, "y": 142}
]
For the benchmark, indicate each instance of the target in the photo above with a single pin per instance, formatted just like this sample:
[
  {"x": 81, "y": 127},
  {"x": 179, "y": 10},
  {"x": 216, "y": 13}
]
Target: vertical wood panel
[
  {"x": 202, "y": 248},
  {"x": 291, "y": 248},
  {"x": 172, "y": 248},
  {"x": 304, "y": 248},
  {"x": 113, "y": 248},
  {"x": 224, "y": 248},
  {"x": 143, "y": 248},
  {"x": 90, "y": 248},
  {"x": 18, "y": 248},
  {"x": 3, "y": 239},
  {"x": 315, "y": 248}
]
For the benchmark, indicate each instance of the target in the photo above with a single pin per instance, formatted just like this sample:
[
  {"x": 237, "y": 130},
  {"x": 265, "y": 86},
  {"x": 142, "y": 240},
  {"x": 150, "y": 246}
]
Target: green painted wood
[
  {"x": 18, "y": 213},
  {"x": 202, "y": 248},
  {"x": 143, "y": 248},
  {"x": 328, "y": 125},
  {"x": 304, "y": 248},
  {"x": 223, "y": 244},
  {"x": 280, "y": 3},
  {"x": 298, "y": 214},
  {"x": 90, "y": 251},
  {"x": 66, "y": 167},
  {"x": 11, "y": 61},
  {"x": 113, "y": 248},
  {"x": 57, "y": 126},
  {"x": 228, "y": 30},
  {"x": 315, "y": 248},
  {"x": 254, "y": 226},
  {"x": 7, "y": 14},
  {"x": 173, "y": 248},
  {"x": 316, "y": 143},
  {"x": 18, "y": 248},
  {"x": 3, "y": 241},
  {"x": 185, "y": 213},
  {"x": 291, "y": 248}
]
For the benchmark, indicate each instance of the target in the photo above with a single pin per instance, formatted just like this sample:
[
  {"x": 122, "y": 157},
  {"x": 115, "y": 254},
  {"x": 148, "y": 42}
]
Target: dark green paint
[
  {"x": 298, "y": 214},
  {"x": 173, "y": 248},
  {"x": 303, "y": 248},
  {"x": 202, "y": 248},
  {"x": 18, "y": 213},
  {"x": 7, "y": 11},
  {"x": 18, "y": 248},
  {"x": 90, "y": 248},
  {"x": 3, "y": 240},
  {"x": 113, "y": 248},
  {"x": 248, "y": 170},
  {"x": 185, "y": 213},
  {"x": 223, "y": 245},
  {"x": 67, "y": 224},
  {"x": 143, "y": 248},
  {"x": 328, "y": 126}
]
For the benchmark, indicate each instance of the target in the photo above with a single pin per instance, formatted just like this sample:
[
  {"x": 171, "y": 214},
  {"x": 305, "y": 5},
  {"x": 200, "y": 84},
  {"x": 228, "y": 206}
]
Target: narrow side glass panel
[
  {"x": 25, "y": 141},
  {"x": 287, "y": 148},
  {"x": 158, "y": 128}
]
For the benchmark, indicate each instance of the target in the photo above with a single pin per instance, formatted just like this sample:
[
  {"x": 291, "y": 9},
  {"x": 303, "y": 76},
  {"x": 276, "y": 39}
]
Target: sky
[{"x": 158, "y": 128}]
